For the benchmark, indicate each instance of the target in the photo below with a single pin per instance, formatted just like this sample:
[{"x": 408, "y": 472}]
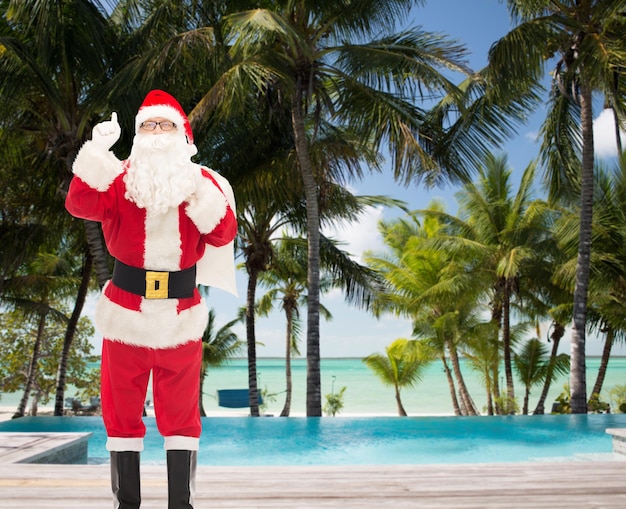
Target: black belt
[{"x": 153, "y": 284}]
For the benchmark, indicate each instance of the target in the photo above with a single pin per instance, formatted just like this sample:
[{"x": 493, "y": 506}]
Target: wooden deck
[{"x": 537, "y": 485}]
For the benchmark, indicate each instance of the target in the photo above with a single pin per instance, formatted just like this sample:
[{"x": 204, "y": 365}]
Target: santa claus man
[{"x": 169, "y": 223}]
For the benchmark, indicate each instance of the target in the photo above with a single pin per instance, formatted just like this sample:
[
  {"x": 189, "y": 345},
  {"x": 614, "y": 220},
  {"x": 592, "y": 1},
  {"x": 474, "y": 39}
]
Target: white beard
[{"x": 160, "y": 174}]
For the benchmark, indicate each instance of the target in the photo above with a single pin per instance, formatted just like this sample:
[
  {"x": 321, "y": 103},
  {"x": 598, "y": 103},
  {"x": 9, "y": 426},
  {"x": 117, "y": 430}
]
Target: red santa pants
[{"x": 175, "y": 387}]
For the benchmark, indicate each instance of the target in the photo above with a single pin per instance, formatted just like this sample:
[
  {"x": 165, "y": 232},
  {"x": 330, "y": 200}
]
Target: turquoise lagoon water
[
  {"x": 365, "y": 394},
  {"x": 245, "y": 441}
]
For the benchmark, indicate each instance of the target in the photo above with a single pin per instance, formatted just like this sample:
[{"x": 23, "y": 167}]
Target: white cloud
[
  {"x": 604, "y": 134},
  {"x": 356, "y": 238},
  {"x": 532, "y": 136},
  {"x": 361, "y": 235}
]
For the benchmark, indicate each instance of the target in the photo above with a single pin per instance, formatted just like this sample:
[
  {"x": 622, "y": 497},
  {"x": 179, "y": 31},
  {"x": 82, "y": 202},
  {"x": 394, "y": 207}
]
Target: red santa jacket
[{"x": 170, "y": 241}]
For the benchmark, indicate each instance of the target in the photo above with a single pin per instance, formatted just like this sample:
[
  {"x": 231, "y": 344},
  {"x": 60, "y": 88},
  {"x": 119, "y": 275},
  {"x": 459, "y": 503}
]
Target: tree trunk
[
  {"x": 70, "y": 332},
  {"x": 32, "y": 368},
  {"x": 401, "y": 410},
  {"x": 557, "y": 334},
  {"x": 469, "y": 408},
  {"x": 495, "y": 389},
  {"x": 200, "y": 396},
  {"x": 313, "y": 376},
  {"x": 496, "y": 318},
  {"x": 489, "y": 392},
  {"x": 506, "y": 347},
  {"x": 95, "y": 242},
  {"x": 287, "y": 407},
  {"x": 525, "y": 406},
  {"x": 578, "y": 382},
  {"x": 451, "y": 386},
  {"x": 604, "y": 362},
  {"x": 251, "y": 340}
]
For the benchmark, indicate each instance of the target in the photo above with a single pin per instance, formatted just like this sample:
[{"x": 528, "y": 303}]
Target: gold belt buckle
[{"x": 157, "y": 285}]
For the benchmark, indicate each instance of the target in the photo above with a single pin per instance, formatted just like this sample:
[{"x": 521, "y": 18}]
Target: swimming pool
[{"x": 241, "y": 441}]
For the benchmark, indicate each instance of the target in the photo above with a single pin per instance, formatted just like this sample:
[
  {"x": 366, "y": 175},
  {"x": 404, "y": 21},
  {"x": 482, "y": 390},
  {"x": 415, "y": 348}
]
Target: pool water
[{"x": 240, "y": 441}]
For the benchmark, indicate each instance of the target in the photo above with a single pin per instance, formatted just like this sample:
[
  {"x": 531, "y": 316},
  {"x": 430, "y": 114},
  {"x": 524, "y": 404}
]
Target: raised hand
[{"x": 106, "y": 133}]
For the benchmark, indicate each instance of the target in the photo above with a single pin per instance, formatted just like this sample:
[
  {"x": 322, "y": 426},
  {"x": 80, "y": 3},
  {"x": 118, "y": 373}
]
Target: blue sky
[{"x": 355, "y": 333}]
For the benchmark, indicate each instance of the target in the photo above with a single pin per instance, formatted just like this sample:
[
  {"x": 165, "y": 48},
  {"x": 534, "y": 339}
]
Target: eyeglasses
[{"x": 151, "y": 126}]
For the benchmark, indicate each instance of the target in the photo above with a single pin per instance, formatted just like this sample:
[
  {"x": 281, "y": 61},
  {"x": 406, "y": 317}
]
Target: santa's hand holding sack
[{"x": 170, "y": 224}]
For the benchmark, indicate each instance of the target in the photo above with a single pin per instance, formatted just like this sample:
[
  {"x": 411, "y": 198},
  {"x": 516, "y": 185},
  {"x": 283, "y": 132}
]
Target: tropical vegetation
[
  {"x": 475, "y": 283},
  {"x": 29, "y": 353},
  {"x": 334, "y": 402},
  {"x": 402, "y": 365},
  {"x": 584, "y": 41},
  {"x": 297, "y": 99}
]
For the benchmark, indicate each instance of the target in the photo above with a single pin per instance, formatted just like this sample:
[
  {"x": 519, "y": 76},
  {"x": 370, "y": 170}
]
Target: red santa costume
[{"x": 169, "y": 223}]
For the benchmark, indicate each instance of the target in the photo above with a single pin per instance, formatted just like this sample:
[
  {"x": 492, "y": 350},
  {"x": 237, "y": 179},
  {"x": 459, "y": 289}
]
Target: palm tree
[
  {"x": 52, "y": 78},
  {"x": 286, "y": 281},
  {"x": 287, "y": 278},
  {"x": 446, "y": 327},
  {"x": 271, "y": 193},
  {"x": 498, "y": 234},
  {"x": 483, "y": 354},
  {"x": 558, "y": 330},
  {"x": 53, "y": 81},
  {"x": 549, "y": 297},
  {"x": 218, "y": 346},
  {"x": 532, "y": 366},
  {"x": 70, "y": 332},
  {"x": 585, "y": 39},
  {"x": 605, "y": 313},
  {"x": 314, "y": 56},
  {"x": 272, "y": 201},
  {"x": 32, "y": 217},
  {"x": 24, "y": 226},
  {"x": 427, "y": 286},
  {"x": 312, "y": 61},
  {"x": 608, "y": 265},
  {"x": 256, "y": 230},
  {"x": 402, "y": 365}
]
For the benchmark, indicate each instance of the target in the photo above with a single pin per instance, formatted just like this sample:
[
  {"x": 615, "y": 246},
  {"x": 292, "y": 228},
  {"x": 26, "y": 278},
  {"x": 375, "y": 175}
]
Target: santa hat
[{"x": 161, "y": 104}]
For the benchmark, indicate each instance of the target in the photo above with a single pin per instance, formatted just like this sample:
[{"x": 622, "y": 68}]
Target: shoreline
[
  {"x": 365, "y": 394},
  {"x": 6, "y": 414}
]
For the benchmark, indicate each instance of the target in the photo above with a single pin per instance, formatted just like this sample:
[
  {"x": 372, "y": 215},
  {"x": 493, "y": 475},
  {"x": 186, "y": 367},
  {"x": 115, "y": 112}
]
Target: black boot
[
  {"x": 125, "y": 480},
  {"x": 181, "y": 479}
]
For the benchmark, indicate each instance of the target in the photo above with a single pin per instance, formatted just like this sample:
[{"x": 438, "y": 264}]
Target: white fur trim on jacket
[
  {"x": 207, "y": 207},
  {"x": 181, "y": 443},
  {"x": 157, "y": 325},
  {"x": 121, "y": 444},
  {"x": 96, "y": 167}
]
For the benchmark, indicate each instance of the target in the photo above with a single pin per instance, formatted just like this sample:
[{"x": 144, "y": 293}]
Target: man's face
[
  {"x": 157, "y": 125},
  {"x": 161, "y": 175}
]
